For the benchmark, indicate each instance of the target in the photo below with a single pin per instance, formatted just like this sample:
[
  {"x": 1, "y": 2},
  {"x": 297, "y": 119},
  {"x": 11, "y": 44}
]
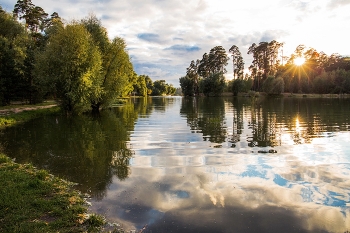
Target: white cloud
[{"x": 322, "y": 25}]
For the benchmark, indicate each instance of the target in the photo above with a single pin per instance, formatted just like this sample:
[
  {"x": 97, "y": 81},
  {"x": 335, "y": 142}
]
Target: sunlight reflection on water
[
  {"x": 306, "y": 180},
  {"x": 204, "y": 165}
]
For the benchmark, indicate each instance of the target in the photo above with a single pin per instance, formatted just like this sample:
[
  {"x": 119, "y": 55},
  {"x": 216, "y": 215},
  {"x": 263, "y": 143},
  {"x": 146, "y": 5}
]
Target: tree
[
  {"x": 213, "y": 85},
  {"x": 187, "y": 85},
  {"x": 171, "y": 90},
  {"x": 265, "y": 60},
  {"x": 213, "y": 63},
  {"x": 217, "y": 60},
  {"x": 149, "y": 84},
  {"x": 237, "y": 60},
  {"x": 35, "y": 17},
  {"x": 13, "y": 49},
  {"x": 140, "y": 87},
  {"x": 118, "y": 75},
  {"x": 72, "y": 63},
  {"x": 159, "y": 87},
  {"x": 203, "y": 66},
  {"x": 237, "y": 85},
  {"x": 192, "y": 73},
  {"x": 273, "y": 86}
]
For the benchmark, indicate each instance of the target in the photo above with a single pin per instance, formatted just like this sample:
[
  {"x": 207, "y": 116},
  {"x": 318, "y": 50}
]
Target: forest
[
  {"x": 75, "y": 63},
  {"x": 305, "y": 71}
]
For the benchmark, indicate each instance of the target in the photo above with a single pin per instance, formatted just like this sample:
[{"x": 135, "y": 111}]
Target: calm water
[{"x": 202, "y": 165}]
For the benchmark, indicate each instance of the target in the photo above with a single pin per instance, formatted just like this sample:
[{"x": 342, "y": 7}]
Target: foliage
[
  {"x": 39, "y": 59},
  {"x": 213, "y": 85},
  {"x": 160, "y": 87},
  {"x": 140, "y": 87},
  {"x": 13, "y": 48},
  {"x": 149, "y": 84},
  {"x": 72, "y": 63},
  {"x": 237, "y": 86},
  {"x": 34, "y": 16},
  {"x": 192, "y": 79},
  {"x": 116, "y": 66},
  {"x": 211, "y": 67},
  {"x": 264, "y": 62},
  {"x": 213, "y": 63},
  {"x": 273, "y": 85},
  {"x": 238, "y": 63},
  {"x": 187, "y": 86}
]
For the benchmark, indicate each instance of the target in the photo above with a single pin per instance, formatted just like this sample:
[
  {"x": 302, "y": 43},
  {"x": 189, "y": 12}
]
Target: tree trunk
[{"x": 95, "y": 108}]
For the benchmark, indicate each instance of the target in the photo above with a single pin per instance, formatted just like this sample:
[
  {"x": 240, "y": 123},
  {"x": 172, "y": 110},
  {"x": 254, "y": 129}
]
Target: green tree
[
  {"x": 237, "y": 85},
  {"x": 72, "y": 63},
  {"x": 213, "y": 85},
  {"x": 140, "y": 87},
  {"x": 237, "y": 61},
  {"x": 159, "y": 87},
  {"x": 149, "y": 84},
  {"x": 212, "y": 63},
  {"x": 273, "y": 86},
  {"x": 34, "y": 16},
  {"x": 118, "y": 76},
  {"x": 265, "y": 60},
  {"x": 190, "y": 83},
  {"x": 187, "y": 85},
  {"x": 192, "y": 73},
  {"x": 170, "y": 89},
  {"x": 13, "y": 49}
]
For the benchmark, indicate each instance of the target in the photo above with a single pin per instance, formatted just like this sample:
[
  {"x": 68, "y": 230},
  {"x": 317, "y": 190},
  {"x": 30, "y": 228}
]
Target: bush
[
  {"x": 213, "y": 85},
  {"x": 273, "y": 86},
  {"x": 238, "y": 85}
]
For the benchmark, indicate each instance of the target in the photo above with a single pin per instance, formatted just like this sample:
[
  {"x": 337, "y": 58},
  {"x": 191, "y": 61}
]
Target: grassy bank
[
  {"x": 14, "y": 114},
  {"x": 32, "y": 200}
]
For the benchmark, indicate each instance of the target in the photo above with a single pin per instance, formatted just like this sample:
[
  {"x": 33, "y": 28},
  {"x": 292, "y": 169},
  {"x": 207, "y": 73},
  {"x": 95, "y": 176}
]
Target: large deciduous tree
[
  {"x": 13, "y": 48},
  {"x": 72, "y": 63},
  {"x": 117, "y": 69}
]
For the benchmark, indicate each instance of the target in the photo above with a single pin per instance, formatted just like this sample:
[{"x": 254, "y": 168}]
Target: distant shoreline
[{"x": 293, "y": 95}]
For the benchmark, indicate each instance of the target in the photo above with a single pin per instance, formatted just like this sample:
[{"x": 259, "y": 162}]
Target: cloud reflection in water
[{"x": 181, "y": 182}]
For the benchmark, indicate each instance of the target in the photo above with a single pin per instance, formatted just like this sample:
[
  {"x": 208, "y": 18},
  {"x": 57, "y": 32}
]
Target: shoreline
[
  {"x": 290, "y": 95},
  {"x": 33, "y": 200}
]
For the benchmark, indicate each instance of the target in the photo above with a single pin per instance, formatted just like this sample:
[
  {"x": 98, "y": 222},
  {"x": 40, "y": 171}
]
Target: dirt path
[{"x": 8, "y": 111}]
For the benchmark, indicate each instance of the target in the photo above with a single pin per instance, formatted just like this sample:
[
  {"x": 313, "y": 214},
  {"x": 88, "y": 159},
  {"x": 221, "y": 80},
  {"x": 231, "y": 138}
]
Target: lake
[{"x": 218, "y": 164}]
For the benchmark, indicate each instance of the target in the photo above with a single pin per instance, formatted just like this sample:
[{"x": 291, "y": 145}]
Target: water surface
[{"x": 177, "y": 164}]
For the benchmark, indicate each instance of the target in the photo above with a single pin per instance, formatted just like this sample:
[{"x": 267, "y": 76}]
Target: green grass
[
  {"x": 15, "y": 118},
  {"x": 32, "y": 200}
]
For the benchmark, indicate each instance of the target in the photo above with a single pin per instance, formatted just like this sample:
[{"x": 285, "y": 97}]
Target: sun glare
[{"x": 299, "y": 61}]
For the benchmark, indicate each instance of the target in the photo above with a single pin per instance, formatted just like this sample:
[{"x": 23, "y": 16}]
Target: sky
[{"x": 163, "y": 36}]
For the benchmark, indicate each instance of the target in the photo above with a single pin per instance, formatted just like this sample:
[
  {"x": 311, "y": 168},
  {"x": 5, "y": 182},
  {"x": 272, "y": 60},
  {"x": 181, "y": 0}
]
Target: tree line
[
  {"x": 269, "y": 72},
  {"x": 76, "y": 63}
]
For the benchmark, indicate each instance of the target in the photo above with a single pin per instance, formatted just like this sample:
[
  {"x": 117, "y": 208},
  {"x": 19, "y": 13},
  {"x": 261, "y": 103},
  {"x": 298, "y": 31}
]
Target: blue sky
[{"x": 163, "y": 36}]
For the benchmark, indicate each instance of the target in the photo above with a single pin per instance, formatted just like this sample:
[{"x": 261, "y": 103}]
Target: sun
[{"x": 299, "y": 61}]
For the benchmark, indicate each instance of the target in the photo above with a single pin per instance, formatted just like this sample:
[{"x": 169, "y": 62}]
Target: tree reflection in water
[
  {"x": 206, "y": 115},
  {"x": 202, "y": 170}
]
